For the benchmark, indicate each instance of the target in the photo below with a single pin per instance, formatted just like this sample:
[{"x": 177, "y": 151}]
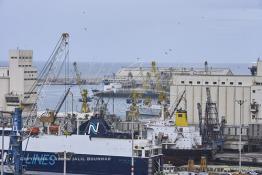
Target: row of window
[
  {"x": 30, "y": 78},
  {"x": 21, "y": 58},
  {"x": 24, "y": 65},
  {"x": 31, "y": 75},
  {"x": 214, "y": 83},
  {"x": 30, "y": 71},
  {"x": 30, "y": 92}
]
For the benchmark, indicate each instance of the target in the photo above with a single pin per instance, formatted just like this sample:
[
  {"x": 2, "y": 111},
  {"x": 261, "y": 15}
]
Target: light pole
[
  {"x": 4, "y": 123},
  {"x": 132, "y": 134},
  {"x": 240, "y": 102},
  {"x": 2, "y": 151},
  {"x": 133, "y": 113}
]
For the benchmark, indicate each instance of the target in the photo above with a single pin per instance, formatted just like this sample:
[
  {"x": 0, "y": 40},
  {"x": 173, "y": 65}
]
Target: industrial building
[
  {"x": 18, "y": 81},
  {"x": 226, "y": 90}
]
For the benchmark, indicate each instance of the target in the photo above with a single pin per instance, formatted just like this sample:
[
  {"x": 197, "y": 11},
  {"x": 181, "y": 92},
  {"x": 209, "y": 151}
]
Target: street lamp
[{"x": 240, "y": 102}]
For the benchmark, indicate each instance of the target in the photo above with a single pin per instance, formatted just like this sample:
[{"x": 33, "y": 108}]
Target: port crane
[
  {"x": 178, "y": 101},
  {"x": 146, "y": 86},
  {"x": 60, "y": 51},
  {"x": 159, "y": 88},
  {"x": 83, "y": 91},
  {"x": 210, "y": 127}
]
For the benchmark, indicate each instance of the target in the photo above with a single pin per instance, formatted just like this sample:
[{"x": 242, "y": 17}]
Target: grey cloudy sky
[{"x": 123, "y": 30}]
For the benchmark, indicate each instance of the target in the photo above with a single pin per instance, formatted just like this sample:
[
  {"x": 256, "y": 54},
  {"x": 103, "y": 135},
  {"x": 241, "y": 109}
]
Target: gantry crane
[{"x": 83, "y": 91}]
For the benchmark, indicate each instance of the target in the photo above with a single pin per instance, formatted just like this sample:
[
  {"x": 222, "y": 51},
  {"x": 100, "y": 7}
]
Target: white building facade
[
  {"x": 18, "y": 81},
  {"x": 225, "y": 90}
]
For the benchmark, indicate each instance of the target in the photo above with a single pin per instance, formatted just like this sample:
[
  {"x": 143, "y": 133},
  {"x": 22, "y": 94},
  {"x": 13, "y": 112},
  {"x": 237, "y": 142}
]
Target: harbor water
[{"x": 51, "y": 94}]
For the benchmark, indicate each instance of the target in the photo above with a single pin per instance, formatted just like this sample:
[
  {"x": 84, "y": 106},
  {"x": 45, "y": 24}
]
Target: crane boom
[
  {"x": 43, "y": 75},
  {"x": 178, "y": 102},
  {"x": 60, "y": 104},
  {"x": 61, "y": 46}
]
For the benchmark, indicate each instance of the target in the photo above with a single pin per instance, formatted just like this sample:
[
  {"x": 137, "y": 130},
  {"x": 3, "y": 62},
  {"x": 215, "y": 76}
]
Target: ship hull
[
  {"x": 181, "y": 156},
  {"x": 51, "y": 163}
]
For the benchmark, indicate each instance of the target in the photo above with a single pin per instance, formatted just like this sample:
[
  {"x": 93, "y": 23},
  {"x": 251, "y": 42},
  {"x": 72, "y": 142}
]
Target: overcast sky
[{"x": 123, "y": 30}]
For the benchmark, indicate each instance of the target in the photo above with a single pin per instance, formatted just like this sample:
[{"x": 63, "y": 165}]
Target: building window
[
  {"x": 147, "y": 153},
  {"x": 214, "y": 82},
  {"x": 198, "y": 82},
  {"x": 182, "y": 82},
  {"x": 139, "y": 153},
  {"x": 254, "y": 91},
  {"x": 231, "y": 83},
  {"x": 190, "y": 82},
  {"x": 206, "y": 82},
  {"x": 239, "y": 83},
  {"x": 223, "y": 83}
]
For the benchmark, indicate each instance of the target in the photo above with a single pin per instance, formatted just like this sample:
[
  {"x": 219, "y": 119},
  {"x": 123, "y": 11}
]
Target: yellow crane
[
  {"x": 156, "y": 74},
  {"x": 146, "y": 86},
  {"x": 84, "y": 92},
  {"x": 134, "y": 109}
]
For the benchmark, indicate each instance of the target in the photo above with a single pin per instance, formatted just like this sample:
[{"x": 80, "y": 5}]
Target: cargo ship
[
  {"x": 180, "y": 142},
  {"x": 91, "y": 149}
]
